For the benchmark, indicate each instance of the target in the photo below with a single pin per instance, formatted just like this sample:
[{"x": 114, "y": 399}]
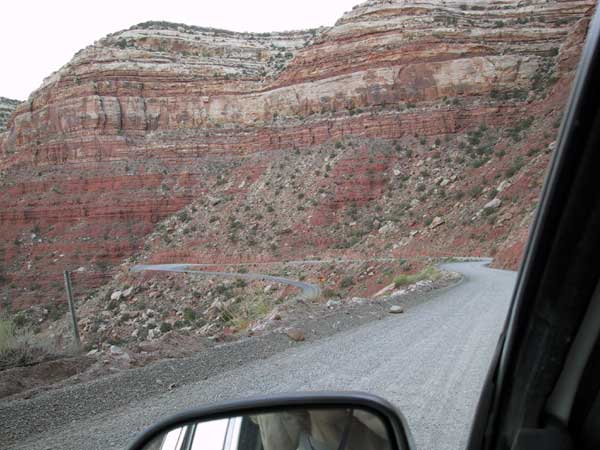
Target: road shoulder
[{"x": 24, "y": 417}]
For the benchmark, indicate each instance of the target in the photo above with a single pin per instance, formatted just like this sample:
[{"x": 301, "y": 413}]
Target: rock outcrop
[
  {"x": 171, "y": 142},
  {"x": 7, "y": 106}
]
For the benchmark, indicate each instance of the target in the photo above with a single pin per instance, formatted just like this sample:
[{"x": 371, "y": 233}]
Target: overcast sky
[{"x": 38, "y": 37}]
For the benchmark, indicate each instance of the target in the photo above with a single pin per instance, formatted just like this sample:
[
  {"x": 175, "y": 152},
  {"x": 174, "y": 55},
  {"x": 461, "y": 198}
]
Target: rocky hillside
[
  {"x": 7, "y": 106},
  {"x": 409, "y": 128}
]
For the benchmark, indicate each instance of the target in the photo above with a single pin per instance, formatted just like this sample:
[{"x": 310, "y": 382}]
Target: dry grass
[
  {"x": 7, "y": 334},
  {"x": 428, "y": 273},
  {"x": 21, "y": 347},
  {"x": 242, "y": 313}
]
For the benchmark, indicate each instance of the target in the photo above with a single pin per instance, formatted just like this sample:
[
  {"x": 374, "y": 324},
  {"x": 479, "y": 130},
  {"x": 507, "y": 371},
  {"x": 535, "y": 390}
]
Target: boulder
[
  {"x": 493, "y": 204},
  {"x": 115, "y": 350},
  {"x": 503, "y": 185},
  {"x": 274, "y": 316},
  {"x": 387, "y": 228},
  {"x": 116, "y": 295},
  {"x": 295, "y": 334},
  {"x": 153, "y": 333},
  {"x": 396, "y": 309},
  {"x": 436, "y": 222}
]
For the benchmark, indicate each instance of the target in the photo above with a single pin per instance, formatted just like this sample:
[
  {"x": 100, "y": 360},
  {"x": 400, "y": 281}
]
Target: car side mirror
[{"x": 306, "y": 421}]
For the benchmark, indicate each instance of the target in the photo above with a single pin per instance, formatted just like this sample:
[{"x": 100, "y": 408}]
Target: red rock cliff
[{"x": 404, "y": 94}]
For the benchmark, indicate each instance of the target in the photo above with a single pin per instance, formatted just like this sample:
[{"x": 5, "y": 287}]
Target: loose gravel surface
[
  {"x": 429, "y": 361},
  {"x": 308, "y": 290}
]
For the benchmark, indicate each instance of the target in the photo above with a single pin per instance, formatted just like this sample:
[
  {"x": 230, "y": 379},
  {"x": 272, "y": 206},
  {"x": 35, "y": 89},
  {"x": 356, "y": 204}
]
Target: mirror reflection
[{"x": 315, "y": 429}]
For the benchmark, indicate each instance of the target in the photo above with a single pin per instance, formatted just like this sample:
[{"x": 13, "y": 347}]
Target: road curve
[
  {"x": 309, "y": 291},
  {"x": 430, "y": 361}
]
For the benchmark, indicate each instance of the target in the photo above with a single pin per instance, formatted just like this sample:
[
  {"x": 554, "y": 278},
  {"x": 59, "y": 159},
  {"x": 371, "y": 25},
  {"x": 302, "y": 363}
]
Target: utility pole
[{"x": 72, "y": 309}]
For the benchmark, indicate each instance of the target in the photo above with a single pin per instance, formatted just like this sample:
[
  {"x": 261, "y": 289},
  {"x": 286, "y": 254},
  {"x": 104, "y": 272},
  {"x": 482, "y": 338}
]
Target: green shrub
[
  {"x": 517, "y": 164},
  {"x": 56, "y": 311},
  {"x": 222, "y": 289},
  {"x": 189, "y": 314},
  {"x": 346, "y": 282},
  {"x": 240, "y": 283},
  {"x": 165, "y": 327},
  {"x": 476, "y": 163},
  {"x": 19, "y": 320},
  {"x": 124, "y": 317},
  {"x": 428, "y": 273},
  {"x": 475, "y": 191},
  {"x": 492, "y": 194}
]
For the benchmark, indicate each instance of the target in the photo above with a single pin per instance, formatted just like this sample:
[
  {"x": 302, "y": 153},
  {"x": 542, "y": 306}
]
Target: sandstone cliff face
[{"x": 402, "y": 115}]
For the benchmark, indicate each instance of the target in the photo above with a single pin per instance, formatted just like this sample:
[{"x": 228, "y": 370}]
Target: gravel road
[
  {"x": 430, "y": 362},
  {"x": 308, "y": 290}
]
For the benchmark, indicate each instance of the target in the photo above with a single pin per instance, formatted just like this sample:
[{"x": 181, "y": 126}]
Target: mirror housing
[{"x": 391, "y": 419}]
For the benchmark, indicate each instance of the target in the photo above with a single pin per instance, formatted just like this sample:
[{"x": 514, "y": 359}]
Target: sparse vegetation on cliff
[{"x": 273, "y": 148}]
